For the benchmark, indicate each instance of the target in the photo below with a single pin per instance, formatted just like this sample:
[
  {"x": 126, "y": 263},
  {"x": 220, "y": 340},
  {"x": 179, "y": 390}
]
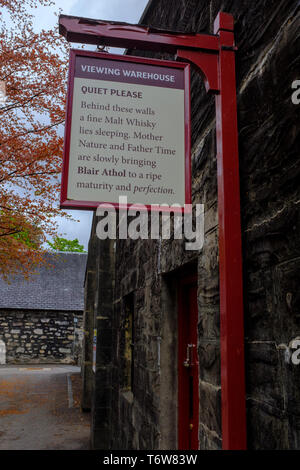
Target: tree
[
  {"x": 33, "y": 71},
  {"x": 62, "y": 244}
]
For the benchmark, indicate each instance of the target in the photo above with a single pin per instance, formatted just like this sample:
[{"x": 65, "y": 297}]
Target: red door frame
[
  {"x": 188, "y": 365},
  {"x": 214, "y": 55}
]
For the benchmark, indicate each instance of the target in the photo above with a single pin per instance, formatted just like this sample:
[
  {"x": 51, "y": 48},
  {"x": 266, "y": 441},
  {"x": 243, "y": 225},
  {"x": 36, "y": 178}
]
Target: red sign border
[{"x": 66, "y": 203}]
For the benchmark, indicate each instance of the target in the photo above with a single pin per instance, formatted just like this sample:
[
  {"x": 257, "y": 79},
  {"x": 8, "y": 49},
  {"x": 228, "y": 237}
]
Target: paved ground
[{"x": 40, "y": 409}]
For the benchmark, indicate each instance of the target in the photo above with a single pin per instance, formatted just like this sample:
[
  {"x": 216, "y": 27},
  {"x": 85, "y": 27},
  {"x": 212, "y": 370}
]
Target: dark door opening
[{"x": 188, "y": 365}]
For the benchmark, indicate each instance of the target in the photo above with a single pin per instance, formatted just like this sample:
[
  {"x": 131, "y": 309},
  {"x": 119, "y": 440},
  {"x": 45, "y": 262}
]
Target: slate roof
[{"x": 59, "y": 287}]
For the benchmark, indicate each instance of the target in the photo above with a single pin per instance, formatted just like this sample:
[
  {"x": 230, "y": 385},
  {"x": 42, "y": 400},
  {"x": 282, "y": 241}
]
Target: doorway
[{"x": 188, "y": 365}]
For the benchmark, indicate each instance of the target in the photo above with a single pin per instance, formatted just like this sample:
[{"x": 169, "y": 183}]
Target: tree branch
[{"x": 10, "y": 233}]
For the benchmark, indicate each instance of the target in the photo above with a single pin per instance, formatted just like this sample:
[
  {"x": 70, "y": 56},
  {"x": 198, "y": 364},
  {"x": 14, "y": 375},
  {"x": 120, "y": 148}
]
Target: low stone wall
[{"x": 35, "y": 336}]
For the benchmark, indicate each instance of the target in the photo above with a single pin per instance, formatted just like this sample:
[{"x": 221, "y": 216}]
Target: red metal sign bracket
[{"x": 214, "y": 55}]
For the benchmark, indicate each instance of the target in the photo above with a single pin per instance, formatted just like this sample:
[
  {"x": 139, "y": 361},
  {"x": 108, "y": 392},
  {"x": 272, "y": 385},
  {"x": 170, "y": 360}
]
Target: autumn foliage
[{"x": 33, "y": 70}]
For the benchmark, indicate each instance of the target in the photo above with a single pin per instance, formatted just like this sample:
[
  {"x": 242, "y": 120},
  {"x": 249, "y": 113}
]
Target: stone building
[
  {"x": 137, "y": 291},
  {"x": 41, "y": 319}
]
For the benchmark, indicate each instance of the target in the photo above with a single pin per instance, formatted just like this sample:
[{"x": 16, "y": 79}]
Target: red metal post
[
  {"x": 214, "y": 55},
  {"x": 230, "y": 249},
  {"x": 90, "y": 31}
]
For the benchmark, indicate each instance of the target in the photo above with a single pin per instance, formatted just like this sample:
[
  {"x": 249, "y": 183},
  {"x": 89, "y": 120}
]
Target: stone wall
[
  {"x": 88, "y": 325},
  {"x": 267, "y": 63},
  {"x": 96, "y": 369},
  {"x": 145, "y": 417},
  {"x": 41, "y": 336}
]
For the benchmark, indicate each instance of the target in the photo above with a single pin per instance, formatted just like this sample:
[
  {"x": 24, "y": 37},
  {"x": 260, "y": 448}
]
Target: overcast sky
[{"x": 116, "y": 10}]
